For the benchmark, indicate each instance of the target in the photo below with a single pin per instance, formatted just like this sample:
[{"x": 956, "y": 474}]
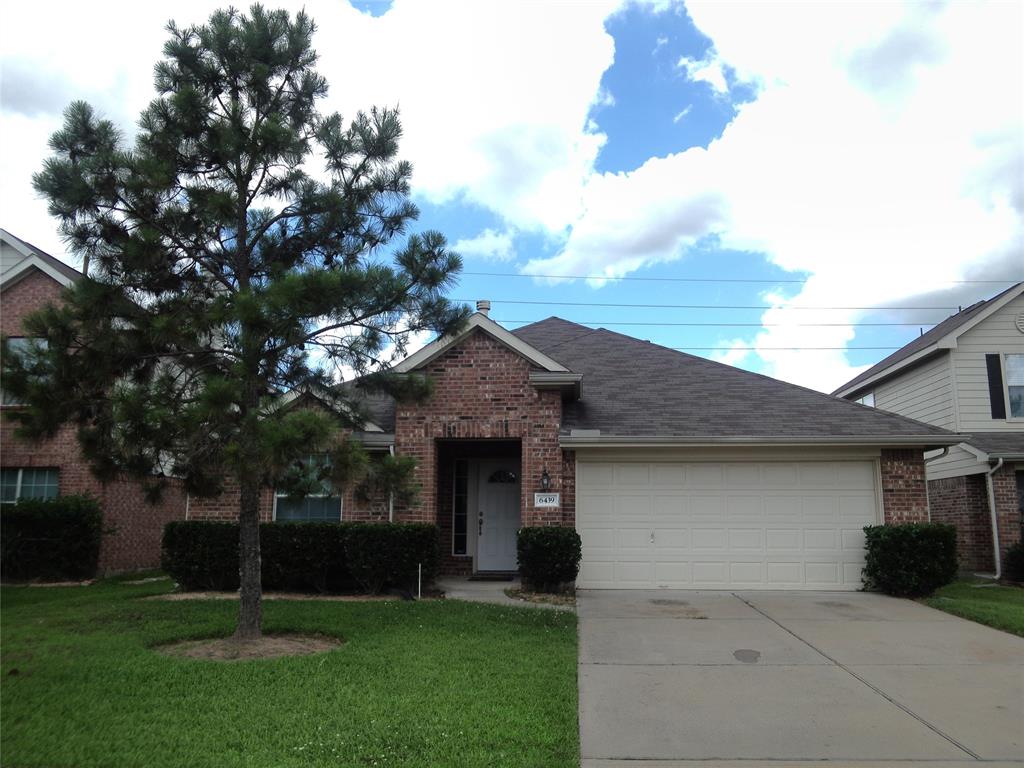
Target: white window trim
[
  {"x": 1006, "y": 386},
  {"x": 21, "y": 474},
  {"x": 340, "y": 497},
  {"x": 863, "y": 399}
]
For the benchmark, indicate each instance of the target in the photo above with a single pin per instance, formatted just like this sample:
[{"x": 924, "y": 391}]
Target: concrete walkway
[
  {"x": 670, "y": 679},
  {"x": 461, "y": 588}
]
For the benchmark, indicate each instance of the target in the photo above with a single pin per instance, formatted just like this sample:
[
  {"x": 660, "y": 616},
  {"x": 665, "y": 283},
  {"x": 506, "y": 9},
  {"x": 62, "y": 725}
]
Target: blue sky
[{"x": 871, "y": 152}]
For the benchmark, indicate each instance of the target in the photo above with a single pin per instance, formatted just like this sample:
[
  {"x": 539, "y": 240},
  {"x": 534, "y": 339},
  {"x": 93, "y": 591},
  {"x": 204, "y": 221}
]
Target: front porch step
[{"x": 494, "y": 576}]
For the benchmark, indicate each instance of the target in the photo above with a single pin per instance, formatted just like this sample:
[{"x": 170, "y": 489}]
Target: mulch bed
[
  {"x": 174, "y": 596},
  {"x": 267, "y": 647},
  {"x": 541, "y": 597}
]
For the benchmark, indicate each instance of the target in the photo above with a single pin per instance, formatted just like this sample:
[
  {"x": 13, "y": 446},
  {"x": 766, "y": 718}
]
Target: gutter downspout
[
  {"x": 994, "y": 518},
  {"x": 927, "y": 495},
  {"x": 391, "y": 494}
]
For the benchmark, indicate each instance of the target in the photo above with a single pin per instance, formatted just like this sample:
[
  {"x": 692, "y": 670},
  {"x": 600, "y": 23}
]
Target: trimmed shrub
[
  {"x": 303, "y": 557},
  {"x": 201, "y": 555},
  {"x": 389, "y": 554},
  {"x": 51, "y": 539},
  {"x": 911, "y": 559},
  {"x": 1013, "y": 563},
  {"x": 549, "y": 557}
]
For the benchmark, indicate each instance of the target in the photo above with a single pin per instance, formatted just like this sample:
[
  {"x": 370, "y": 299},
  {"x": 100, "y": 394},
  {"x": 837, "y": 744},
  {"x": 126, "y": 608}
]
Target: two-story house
[
  {"x": 30, "y": 278},
  {"x": 966, "y": 375}
]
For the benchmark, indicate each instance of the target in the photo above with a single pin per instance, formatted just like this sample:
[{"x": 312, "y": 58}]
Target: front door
[{"x": 498, "y": 516}]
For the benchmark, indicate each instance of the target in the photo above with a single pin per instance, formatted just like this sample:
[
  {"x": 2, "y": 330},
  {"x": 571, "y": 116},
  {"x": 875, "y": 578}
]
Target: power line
[
  {"x": 729, "y": 325},
  {"x": 788, "y": 281},
  {"x": 693, "y": 306}
]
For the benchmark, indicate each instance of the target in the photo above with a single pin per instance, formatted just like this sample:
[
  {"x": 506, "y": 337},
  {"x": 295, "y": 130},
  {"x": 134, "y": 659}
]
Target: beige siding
[
  {"x": 923, "y": 393},
  {"x": 9, "y": 257},
  {"x": 996, "y": 333},
  {"x": 957, "y": 462}
]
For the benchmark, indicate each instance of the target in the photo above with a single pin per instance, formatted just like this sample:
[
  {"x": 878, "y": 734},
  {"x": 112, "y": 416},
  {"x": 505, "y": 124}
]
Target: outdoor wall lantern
[{"x": 545, "y": 480}]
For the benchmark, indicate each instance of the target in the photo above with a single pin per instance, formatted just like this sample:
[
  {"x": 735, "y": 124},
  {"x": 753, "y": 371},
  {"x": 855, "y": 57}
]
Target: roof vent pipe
[{"x": 483, "y": 306}]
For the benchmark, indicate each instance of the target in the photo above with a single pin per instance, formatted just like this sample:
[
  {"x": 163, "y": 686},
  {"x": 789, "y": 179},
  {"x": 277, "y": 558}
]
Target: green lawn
[
  {"x": 999, "y": 607},
  {"x": 431, "y": 683}
]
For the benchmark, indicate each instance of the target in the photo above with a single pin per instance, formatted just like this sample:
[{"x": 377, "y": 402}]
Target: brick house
[
  {"x": 967, "y": 375},
  {"x": 676, "y": 471},
  {"x": 29, "y": 279}
]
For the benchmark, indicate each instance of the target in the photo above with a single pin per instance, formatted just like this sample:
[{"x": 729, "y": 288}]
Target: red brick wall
[
  {"x": 30, "y": 293},
  {"x": 482, "y": 391},
  {"x": 904, "y": 491},
  {"x": 963, "y": 502},
  {"x": 136, "y": 526},
  {"x": 1004, "y": 489}
]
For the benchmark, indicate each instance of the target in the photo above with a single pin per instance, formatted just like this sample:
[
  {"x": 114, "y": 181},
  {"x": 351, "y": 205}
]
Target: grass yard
[
  {"x": 996, "y": 606},
  {"x": 431, "y": 683}
]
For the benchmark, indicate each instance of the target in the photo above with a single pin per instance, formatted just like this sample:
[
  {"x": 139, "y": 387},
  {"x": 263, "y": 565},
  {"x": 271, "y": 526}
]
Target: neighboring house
[
  {"x": 677, "y": 471},
  {"x": 29, "y": 279},
  {"x": 967, "y": 375}
]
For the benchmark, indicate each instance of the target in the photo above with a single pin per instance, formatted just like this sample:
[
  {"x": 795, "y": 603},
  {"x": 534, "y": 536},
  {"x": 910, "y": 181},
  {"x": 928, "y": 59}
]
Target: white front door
[{"x": 497, "y": 516}]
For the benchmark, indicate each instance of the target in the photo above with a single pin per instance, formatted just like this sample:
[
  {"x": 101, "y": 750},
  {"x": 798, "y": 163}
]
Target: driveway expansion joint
[{"x": 857, "y": 677}]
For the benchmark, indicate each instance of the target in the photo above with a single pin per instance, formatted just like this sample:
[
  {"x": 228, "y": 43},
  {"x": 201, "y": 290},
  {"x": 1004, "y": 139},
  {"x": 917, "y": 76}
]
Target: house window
[
  {"x": 868, "y": 399},
  {"x": 310, "y": 496},
  {"x": 28, "y": 483},
  {"x": 17, "y": 345},
  {"x": 460, "y": 507},
  {"x": 1015, "y": 385}
]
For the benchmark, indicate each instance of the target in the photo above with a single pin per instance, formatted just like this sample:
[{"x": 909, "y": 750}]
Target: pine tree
[{"x": 224, "y": 272}]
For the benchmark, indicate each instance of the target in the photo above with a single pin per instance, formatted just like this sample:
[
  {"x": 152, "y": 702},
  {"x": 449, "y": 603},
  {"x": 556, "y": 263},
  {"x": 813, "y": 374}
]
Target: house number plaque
[{"x": 547, "y": 499}]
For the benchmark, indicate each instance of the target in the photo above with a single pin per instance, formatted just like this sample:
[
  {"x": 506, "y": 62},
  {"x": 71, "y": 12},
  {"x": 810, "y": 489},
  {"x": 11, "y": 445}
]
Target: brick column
[
  {"x": 1004, "y": 489},
  {"x": 904, "y": 489}
]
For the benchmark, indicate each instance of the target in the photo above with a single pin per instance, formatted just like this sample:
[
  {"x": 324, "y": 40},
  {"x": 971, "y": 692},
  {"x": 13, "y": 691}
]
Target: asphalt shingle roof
[
  {"x": 998, "y": 443},
  {"x": 634, "y": 388},
  {"x": 924, "y": 341}
]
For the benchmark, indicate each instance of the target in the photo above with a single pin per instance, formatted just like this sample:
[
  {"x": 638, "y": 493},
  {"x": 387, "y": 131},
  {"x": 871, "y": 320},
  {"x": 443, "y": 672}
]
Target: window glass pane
[
  {"x": 16, "y": 346},
  {"x": 310, "y": 508},
  {"x": 38, "y": 484},
  {"x": 8, "y": 486},
  {"x": 460, "y": 500},
  {"x": 1015, "y": 384}
]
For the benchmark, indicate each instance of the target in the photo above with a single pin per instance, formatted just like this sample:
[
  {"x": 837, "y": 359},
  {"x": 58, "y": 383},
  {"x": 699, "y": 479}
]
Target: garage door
[{"x": 724, "y": 525}]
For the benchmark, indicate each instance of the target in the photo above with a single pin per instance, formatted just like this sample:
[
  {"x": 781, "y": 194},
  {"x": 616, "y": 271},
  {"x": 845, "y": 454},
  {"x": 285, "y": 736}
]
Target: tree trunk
[{"x": 250, "y": 611}]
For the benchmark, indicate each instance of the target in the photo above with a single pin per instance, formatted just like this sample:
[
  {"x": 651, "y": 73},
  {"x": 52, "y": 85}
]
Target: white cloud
[
  {"x": 879, "y": 191},
  {"x": 707, "y": 70},
  {"x": 883, "y": 149},
  {"x": 494, "y": 110},
  {"x": 489, "y": 244},
  {"x": 682, "y": 113}
]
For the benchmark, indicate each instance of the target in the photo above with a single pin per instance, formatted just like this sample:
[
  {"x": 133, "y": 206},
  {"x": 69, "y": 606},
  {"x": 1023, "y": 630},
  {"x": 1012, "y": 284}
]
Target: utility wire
[
  {"x": 761, "y": 307},
  {"x": 728, "y": 325},
  {"x": 775, "y": 349},
  {"x": 790, "y": 281}
]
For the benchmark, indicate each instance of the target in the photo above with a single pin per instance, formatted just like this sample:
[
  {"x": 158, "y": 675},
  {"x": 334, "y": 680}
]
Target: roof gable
[
  {"x": 936, "y": 341},
  {"x": 34, "y": 258},
  {"x": 480, "y": 321}
]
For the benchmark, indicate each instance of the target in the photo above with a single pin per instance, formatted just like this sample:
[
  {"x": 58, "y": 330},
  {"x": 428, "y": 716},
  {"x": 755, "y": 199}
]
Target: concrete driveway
[{"x": 679, "y": 678}]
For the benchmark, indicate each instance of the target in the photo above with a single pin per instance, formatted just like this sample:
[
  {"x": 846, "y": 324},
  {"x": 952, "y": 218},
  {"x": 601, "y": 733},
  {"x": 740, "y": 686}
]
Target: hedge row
[
  {"x": 304, "y": 557},
  {"x": 911, "y": 559},
  {"x": 52, "y": 539}
]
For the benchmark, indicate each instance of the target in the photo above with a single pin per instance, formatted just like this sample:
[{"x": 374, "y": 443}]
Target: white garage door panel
[{"x": 724, "y": 525}]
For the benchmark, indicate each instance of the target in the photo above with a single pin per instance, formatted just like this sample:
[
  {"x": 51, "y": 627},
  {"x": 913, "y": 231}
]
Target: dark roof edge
[{"x": 654, "y": 441}]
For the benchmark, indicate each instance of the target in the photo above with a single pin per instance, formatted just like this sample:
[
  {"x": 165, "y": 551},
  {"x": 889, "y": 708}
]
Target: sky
[{"x": 796, "y": 189}]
